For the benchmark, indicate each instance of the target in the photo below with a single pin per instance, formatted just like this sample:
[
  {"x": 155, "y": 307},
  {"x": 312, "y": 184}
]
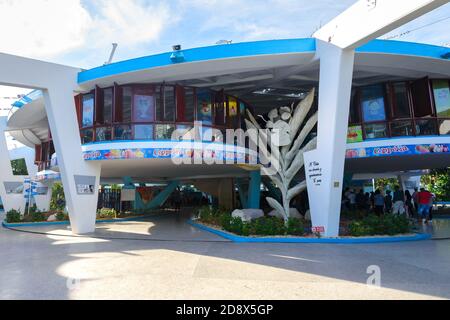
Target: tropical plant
[
  {"x": 438, "y": 182},
  {"x": 13, "y": 216},
  {"x": 106, "y": 213},
  {"x": 57, "y": 202},
  {"x": 292, "y": 128}
]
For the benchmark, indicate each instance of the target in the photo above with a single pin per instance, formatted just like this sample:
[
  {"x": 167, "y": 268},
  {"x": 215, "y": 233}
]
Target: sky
[{"x": 80, "y": 32}]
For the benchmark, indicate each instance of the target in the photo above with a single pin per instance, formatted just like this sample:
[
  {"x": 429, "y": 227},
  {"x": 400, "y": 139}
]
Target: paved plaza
[{"x": 165, "y": 258}]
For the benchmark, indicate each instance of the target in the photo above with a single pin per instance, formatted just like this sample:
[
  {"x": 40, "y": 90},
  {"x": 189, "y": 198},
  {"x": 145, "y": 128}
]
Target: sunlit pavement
[{"x": 199, "y": 265}]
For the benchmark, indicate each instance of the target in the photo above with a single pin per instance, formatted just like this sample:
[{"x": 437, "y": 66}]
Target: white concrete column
[
  {"x": 324, "y": 167},
  {"x": 10, "y": 201},
  {"x": 75, "y": 171}
]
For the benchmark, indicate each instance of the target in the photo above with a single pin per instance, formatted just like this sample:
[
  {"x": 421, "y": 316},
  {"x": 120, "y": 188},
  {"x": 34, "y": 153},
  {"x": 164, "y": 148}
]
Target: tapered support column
[
  {"x": 324, "y": 167},
  {"x": 80, "y": 178},
  {"x": 8, "y": 181},
  {"x": 254, "y": 190}
]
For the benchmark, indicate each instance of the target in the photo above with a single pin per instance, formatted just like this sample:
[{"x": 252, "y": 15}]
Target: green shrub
[
  {"x": 210, "y": 215},
  {"x": 269, "y": 226},
  {"x": 13, "y": 216},
  {"x": 37, "y": 216},
  {"x": 295, "y": 227},
  {"x": 60, "y": 216},
  {"x": 236, "y": 225},
  {"x": 106, "y": 213},
  {"x": 388, "y": 224}
]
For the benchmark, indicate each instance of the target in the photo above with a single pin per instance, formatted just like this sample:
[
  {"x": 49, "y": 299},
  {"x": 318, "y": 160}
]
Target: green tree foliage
[
  {"x": 386, "y": 183},
  {"x": 58, "y": 202},
  {"x": 19, "y": 167},
  {"x": 438, "y": 182}
]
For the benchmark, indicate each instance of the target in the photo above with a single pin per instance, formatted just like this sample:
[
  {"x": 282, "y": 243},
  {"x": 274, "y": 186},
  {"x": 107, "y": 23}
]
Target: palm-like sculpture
[{"x": 292, "y": 128}]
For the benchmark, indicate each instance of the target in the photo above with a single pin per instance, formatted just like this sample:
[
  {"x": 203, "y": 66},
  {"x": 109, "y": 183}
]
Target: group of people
[{"x": 398, "y": 202}]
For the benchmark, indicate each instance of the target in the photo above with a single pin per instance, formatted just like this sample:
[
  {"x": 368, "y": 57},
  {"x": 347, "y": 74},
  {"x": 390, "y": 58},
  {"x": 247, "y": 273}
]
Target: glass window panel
[
  {"x": 441, "y": 92},
  {"x": 204, "y": 110},
  {"x": 144, "y": 105},
  {"x": 444, "y": 126},
  {"x": 122, "y": 132},
  {"x": 189, "y": 100},
  {"x": 143, "y": 132},
  {"x": 401, "y": 108},
  {"x": 426, "y": 127},
  {"x": 88, "y": 110},
  {"x": 233, "y": 111},
  {"x": 354, "y": 108},
  {"x": 107, "y": 105},
  {"x": 103, "y": 134},
  {"x": 375, "y": 130},
  {"x": 373, "y": 103},
  {"x": 220, "y": 109},
  {"x": 184, "y": 132},
  {"x": 421, "y": 98},
  {"x": 127, "y": 93},
  {"x": 164, "y": 131},
  {"x": 87, "y": 136},
  {"x": 169, "y": 103},
  {"x": 401, "y": 128},
  {"x": 159, "y": 105}
]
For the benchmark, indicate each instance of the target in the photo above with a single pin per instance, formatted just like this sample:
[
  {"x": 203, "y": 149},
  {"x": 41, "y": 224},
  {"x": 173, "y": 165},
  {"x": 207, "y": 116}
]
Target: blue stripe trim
[
  {"x": 202, "y": 54},
  {"x": 404, "y": 48},
  {"x": 247, "y": 49},
  {"x": 33, "y": 95},
  {"x": 361, "y": 240}
]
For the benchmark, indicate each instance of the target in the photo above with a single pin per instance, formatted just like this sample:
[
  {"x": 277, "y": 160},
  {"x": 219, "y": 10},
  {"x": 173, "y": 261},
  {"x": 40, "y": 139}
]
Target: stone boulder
[
  {"x": 248, "y": 214},
  {"x": 52, "y": 218},
  {"x": 293, "y": 213}
]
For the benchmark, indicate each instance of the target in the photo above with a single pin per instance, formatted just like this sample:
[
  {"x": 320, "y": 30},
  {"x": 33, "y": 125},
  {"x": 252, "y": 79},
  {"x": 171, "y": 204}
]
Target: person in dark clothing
[
  {"x": 409, "y": 203},
  {"x": 378, "y": 201},
  {"x": 372, "y": 201},
  {"x": 388, "y": 201},
  {"x": 360, "y": 200},
  {"x": 399, "y": 201}
]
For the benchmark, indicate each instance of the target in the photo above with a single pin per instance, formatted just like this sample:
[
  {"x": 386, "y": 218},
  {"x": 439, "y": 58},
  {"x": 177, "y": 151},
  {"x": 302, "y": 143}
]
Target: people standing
[
  {"x": 388, "y": 201},
  {"x": 424, "y": 198},
  {"x": 409, "y": 204},
  {"x": 378, "y": 203},
  {"x": 430, "y": 212},
  {"x": 360, "y": 200},
  {"x": 416, "y": 199},
  {"x": 399, "y": 201},
  {"x": 352, "y": 200}
]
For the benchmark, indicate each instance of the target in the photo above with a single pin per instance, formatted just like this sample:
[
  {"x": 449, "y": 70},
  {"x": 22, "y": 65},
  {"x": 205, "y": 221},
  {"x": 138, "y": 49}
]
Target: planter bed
[{"x": 309, "y": 238}]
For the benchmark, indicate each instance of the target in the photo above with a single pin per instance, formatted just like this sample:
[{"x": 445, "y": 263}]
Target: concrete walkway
[{"x": 34, "y": 266}]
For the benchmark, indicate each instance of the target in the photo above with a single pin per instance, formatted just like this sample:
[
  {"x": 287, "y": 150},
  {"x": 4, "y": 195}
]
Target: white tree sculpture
[{"x": 292, "y": 128}]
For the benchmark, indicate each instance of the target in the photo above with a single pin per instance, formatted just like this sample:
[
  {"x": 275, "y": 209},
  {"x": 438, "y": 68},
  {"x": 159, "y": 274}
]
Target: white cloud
[
  {"x": 49, "y": 28},
  {"x": 129, "y": 22},
  {"x": 42, "y": 28}
]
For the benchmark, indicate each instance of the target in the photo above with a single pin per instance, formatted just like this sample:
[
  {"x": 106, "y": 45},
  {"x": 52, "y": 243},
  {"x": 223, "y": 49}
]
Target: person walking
[
  {"x": 399, "y": 201},
  {"x": 388, "y": 201},
  {"x": 416, "y": 199},
  {"x": 430, "y": 212},
  {"x": 378, "y": 200},
  {"x": 424, "y": 198}
]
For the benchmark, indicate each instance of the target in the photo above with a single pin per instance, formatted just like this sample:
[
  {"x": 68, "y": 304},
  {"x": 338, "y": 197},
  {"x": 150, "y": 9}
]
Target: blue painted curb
[
  {"x": 59, "y": 223},
  {"x": 242, "y": 239}
]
